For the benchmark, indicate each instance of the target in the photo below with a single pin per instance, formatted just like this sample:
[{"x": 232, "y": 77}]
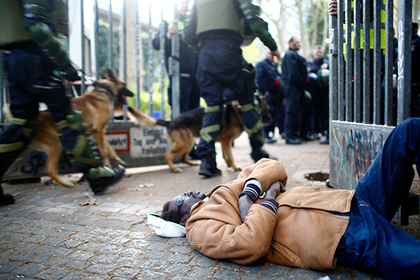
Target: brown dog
[
  {"x": 95, "y": 107},
  {"x": 183, "y": 129}
]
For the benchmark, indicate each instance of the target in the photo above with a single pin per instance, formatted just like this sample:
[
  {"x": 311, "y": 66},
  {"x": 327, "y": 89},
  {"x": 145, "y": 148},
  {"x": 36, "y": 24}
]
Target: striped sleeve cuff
[
  {"x": 252, "y": 189},
  {"x": 270, "y": 204}
]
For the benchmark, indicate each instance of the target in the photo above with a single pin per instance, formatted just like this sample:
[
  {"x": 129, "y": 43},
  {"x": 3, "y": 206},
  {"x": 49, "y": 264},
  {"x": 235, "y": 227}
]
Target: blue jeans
[{"x": 370, "y": 242}]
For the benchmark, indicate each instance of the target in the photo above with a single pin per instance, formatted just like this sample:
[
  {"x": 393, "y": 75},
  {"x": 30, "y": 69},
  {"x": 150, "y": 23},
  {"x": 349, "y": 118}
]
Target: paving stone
[
  {"x": 6, "y": 266},
  {"x": 53, "y": 273},
  {"x": 120, "y": 240},
  {"x": 131, "y": 252},
  {"x": 79, "y": 275},
  {"x": 7, "y": 276},
  {"x": 179, "y": 258},
  {"x": 110, "y": 249},
  {"x": 228, "y": 274},
  {"x": 104, "y": 258},
  {"x": 52, "y": 241},
  {"x": 29, "y": 269},
  {"x": 35, "y": 238},
  {"x": 72, "y": 243},
  {"x": 125, "y": 273},
  {"x": 91, "y": 246},
  {"x": 151, "y": 275},
  {"x": 127, "y": 262},
  {"x": 182, "y": 249},
  {"x": 159, "y": 255},
  {"x": 203, "y": 261},
  {"x": 158, "y": 246},
  {"x": 177, "y": 269},
  {"x": 100, "y": 268},
  {"x": 138, "y": 244},
  {"x": 82, "y": 236},
  {"x": 80, "y": 255},
  {"x": 197, "y": 274},
  {"x": 79, "y": 265}
]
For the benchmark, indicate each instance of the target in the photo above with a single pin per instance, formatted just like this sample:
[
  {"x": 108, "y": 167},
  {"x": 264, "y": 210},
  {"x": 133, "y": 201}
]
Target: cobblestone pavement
[{"x": 48, "y": 234}]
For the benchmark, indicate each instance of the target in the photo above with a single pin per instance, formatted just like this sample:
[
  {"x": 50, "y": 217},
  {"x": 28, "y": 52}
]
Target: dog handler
[
  {"x": 28, "y": 31},
  {"x": 218, "y": 40},
  {"x": 307, "y": 227}
]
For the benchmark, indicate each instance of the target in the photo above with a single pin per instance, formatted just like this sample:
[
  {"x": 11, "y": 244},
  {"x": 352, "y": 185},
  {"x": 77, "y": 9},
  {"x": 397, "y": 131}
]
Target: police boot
[
  {"x": 101, "y": 178},
  {"x": 208, "y": 167},
  {"x": 258, "y": 154},
  {"x": 5, "y": 199}
]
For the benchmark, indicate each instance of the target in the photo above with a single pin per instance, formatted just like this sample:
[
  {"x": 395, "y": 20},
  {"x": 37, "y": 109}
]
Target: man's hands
[
  {"x": 172, "y": 29},
  {"x": 245, "y": 202},
  {"x": 276, "y": 55},
  {"x": 274, "y": 190},
  {"x": 332, "y": 8}
]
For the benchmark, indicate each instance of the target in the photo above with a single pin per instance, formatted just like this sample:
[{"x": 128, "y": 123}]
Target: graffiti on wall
[{"x": 353, "y": 149}]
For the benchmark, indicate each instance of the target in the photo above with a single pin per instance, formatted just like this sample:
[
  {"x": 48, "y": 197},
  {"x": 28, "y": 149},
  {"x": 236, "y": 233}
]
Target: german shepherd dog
[
  {"x": 96, "y": 108},
  {"x": 182, "y": 130}
]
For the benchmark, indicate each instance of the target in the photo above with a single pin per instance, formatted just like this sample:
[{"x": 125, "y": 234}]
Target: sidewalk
[{"x": 47, "y": 234}]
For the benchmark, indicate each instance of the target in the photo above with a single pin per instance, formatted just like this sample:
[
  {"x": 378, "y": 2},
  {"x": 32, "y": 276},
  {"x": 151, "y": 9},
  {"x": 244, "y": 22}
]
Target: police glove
[{"x": 69, "y": 73}]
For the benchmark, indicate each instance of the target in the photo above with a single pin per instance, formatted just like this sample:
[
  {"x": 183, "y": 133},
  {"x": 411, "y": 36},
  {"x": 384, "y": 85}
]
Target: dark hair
[
  {"x": 292, "y": 39},
  {"x": 172, "y": 216},
  {"x": 415, "y": 25}
]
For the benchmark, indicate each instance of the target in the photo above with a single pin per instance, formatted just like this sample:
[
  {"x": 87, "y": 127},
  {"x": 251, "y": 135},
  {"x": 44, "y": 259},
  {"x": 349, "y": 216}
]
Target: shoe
[
  {"x": 308, "y": 137},
  {"x": 208, "y": 168},
  {"x": 293, "y": 140},
  {"x": 269, "y": 140},
  {"x": 6, "y": 199},
  {"x": 258, "y": 154},
  {"x": 101, "y": 184},
  {"x": 325, "y": 142},
  {"x": 283, "y": 135},
  {"x": 316, "y": 136}
]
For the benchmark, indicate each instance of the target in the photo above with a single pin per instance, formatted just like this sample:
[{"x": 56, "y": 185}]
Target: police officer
[
  {"x": 294, "y": 74},
  {"x": 220, "y": 60},
  {"x": 319, "y": 92},
  {"x": 189, "y": 90},
  {"x": 269, "y": 85},
  {"x": 28, "y": 32},
  {"x": 415, "y": 71}
]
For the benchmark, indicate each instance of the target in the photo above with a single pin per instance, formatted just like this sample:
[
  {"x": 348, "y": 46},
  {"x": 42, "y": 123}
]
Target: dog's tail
[
  {"x": 163, "y": 123},
  {"x": 141, "y": 118}
]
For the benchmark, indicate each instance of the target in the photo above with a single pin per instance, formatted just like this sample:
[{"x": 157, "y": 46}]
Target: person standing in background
[
  {"x": 269, "y": 85},
  {"x": 294, "y": 74}
]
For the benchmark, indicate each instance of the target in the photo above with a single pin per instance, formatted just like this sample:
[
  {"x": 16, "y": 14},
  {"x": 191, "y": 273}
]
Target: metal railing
[{"x": 364, "y": 105}]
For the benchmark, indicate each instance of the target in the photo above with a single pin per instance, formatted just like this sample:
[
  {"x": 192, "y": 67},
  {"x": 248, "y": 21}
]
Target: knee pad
[
  {"x": 251, "y": 127},
  {"x": 28, "y": 130},
  {"x": 205, "y": 132}
]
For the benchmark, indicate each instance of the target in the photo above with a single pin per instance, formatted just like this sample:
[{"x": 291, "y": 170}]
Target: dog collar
[{"x": 106, "y": 88}]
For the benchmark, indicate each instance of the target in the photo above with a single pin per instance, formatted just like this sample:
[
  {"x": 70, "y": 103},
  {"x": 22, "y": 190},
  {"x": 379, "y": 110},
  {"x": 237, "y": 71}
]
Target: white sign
[{"x": 148, "y": 142}]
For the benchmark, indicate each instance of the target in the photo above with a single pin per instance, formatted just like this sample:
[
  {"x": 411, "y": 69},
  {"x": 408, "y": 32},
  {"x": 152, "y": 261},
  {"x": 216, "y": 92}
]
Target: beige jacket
[{"x": 303, "y": 232}]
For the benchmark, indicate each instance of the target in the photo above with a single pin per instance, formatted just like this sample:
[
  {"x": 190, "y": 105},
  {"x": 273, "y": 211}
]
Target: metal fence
[{"x": 364, "y": 104}]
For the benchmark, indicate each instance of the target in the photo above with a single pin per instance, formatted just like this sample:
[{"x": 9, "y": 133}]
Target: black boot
[
  {"x": 100, "y": 184},
  {"x": 260, "y": 153},
  {"x": 5, "y": 199},
  {"x": 208, "y": 167}
]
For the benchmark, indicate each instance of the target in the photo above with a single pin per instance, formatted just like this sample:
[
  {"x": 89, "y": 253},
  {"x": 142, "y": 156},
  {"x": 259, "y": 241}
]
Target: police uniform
[
  {"x": 216, "y": 30},
  {"x": 189, "y": 90},
  {"x": 28, "y": 34},
  {"x": 269, "y": 80},
  {"x": 294, "y": 74},
  {"x": 415, "y": 76},
  {"x": 320, "y": 99}
]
